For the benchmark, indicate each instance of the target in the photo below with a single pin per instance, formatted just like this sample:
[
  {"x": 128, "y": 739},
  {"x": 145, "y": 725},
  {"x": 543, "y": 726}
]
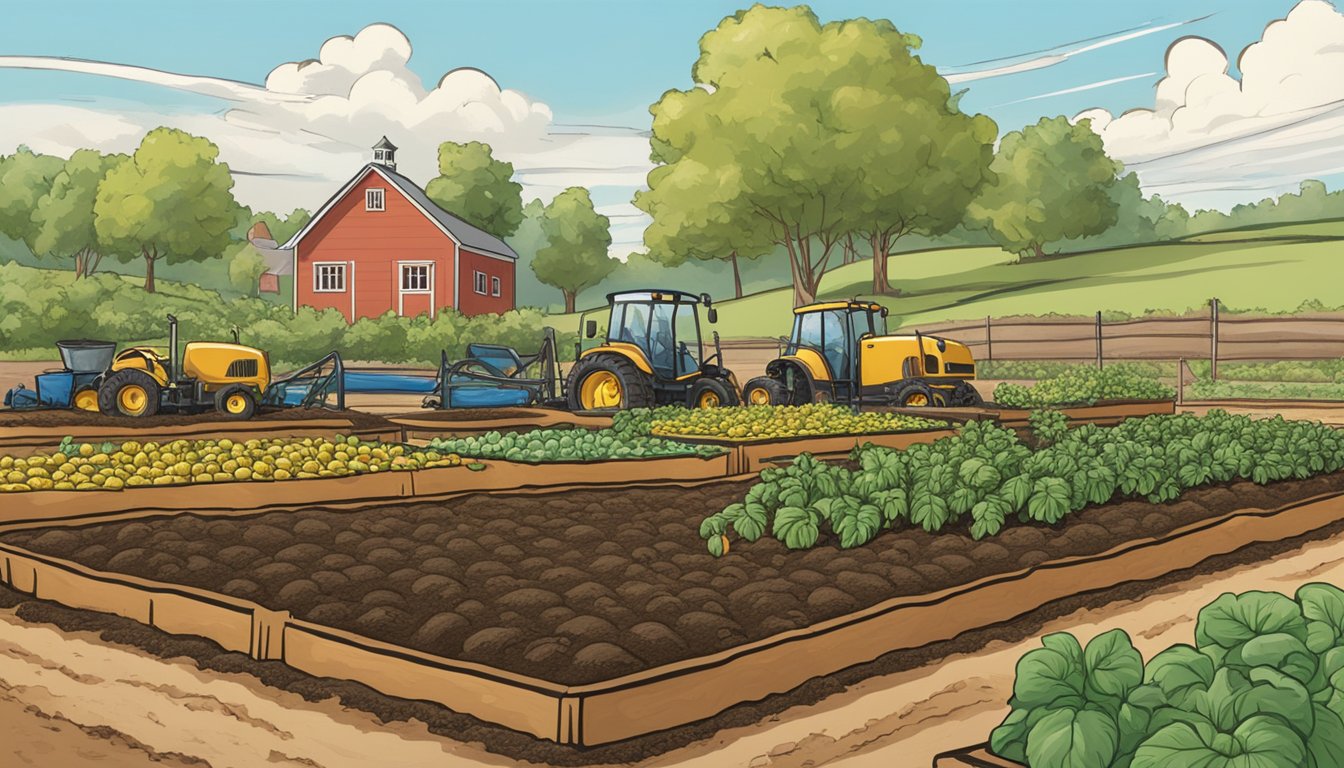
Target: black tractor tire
[
  {"x": 773, "y": 389},
  {"x": 915, "y": 394},
  {"x": 965, "y": 395},
  {"x": 636, "y": 386},
  {"x": 709, "y": 392},
  {"x": 112, "y": 402},
  {"x": 802, "y": 392},
  {"x": 236, "y": 402}
]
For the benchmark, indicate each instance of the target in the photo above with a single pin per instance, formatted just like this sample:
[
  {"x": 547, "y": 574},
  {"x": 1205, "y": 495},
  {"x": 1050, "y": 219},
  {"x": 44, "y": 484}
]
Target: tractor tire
[
  {"x": 965, "y": 395},
  {"x": 710, "y": 392},
  {"x": 765, "y": 390},
  {"x": 129, "y": 392},
  {"x": 236, "y": 402},
  {"x": 86, "y": 399},
  {"x": 915, "y": 394},
  {"x": 608, "y": 383}
]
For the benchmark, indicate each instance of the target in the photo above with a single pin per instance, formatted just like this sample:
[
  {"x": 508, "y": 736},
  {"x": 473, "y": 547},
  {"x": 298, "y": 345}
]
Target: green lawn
[{"x": 1272, "y": 268}]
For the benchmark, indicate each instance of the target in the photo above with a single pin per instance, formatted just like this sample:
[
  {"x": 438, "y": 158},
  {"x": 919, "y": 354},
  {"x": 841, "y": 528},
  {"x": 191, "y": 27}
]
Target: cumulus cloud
[
  {"x": 312, "y": 122},
  {"x": 1210, "y": 138}
]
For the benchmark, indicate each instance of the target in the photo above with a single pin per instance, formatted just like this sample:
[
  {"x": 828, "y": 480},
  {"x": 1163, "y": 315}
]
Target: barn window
[
  {"x": 415, "y": 277},
  {"x": 494, "y": 286},
  {"x": 373, "y": 199},
  {"x": 329, "y": 278},
  {"x": 480, "y": 283}
]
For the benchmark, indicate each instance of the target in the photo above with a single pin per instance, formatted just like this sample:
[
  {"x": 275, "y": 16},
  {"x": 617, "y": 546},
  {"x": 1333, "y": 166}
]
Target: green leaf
[
  {"x": 1051, "y": 676},
  {"x": 1017, "y": 490},
  {"x": 1323, "y": 608},
  {"x": 1049, "y": 501},
  {"x": 475, "y": 466},
  {"x": 858, "y": 525},
  {"x": 1112, "y": 666},
  {"x": 715, "y": 546},
  {"x": 980, "y": 474},
  {"x": 929, "y": 511},
  {"x": 1260, "y": 742},
  {"x": 1069, "y": 738},
  {"x": 750, "y": 525},
  {"x": 1180, "y": 673},
  {"x": 1231, "y": 620},
  {"x": 796, "y": 527}
]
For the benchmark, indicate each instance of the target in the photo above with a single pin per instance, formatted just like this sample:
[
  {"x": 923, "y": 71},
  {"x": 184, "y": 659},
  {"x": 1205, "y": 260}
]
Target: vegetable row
[
  {"x": 1262, "y": 687},
  {"x": 1083, "y": 385},
  {"x": 112, "y": 466},
  {"x": 987, "y": 478}
]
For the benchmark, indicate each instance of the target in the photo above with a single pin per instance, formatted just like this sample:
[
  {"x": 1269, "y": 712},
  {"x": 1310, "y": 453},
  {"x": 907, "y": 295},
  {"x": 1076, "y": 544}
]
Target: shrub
[{"x": 1084, "y": 386}]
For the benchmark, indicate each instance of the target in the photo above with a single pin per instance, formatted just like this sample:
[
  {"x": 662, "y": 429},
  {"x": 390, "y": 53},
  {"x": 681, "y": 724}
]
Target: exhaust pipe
[{"x": 172, "y": 348}]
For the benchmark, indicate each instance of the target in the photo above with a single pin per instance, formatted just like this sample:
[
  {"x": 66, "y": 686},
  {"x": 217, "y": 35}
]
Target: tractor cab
[
  {"x": 653, "y": 354},
  {"x": 832, "y": 331}
]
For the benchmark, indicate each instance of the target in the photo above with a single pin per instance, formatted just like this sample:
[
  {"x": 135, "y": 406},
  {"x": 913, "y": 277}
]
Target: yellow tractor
[
  {"x": 840, "y": 352},
  {"x": 652, "y": 355},
  {"x": 227, "y": 377}
]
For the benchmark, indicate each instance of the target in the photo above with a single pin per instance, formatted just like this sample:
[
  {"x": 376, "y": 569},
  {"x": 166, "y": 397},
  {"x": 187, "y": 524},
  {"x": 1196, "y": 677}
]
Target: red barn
[{"x": 380, "y": 244}]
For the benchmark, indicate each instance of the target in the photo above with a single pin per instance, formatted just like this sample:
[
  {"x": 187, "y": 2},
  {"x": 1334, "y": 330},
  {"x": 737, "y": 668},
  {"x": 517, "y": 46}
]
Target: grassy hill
[{"x": 1272, "y": 268}]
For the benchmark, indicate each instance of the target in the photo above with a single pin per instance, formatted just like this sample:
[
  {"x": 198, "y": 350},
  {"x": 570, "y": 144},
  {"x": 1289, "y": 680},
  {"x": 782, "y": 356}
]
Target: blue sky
[{"x": 603, "y": 62}]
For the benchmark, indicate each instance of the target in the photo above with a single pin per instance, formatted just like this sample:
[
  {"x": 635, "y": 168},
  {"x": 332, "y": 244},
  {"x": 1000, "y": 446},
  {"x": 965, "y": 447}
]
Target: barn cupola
[{"x": 385, "y": 154}]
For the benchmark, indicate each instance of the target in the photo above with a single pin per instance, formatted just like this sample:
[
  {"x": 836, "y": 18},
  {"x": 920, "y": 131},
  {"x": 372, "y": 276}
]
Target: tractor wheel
[
  {"x": 608, "y": 383},
  {"x": 764, "y": 390},
  {"x": 236, "y": 402},
  {"x": 965, "y": 395},
  {"x": 916, "y": 394},
  {"x": 86, "y": 399},
  {"x": 711, "y": 393},
  {"x": 129, "y": 392}
]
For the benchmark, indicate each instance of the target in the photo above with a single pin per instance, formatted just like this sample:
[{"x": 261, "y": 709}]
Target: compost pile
[{"x": 585, "y": 586}]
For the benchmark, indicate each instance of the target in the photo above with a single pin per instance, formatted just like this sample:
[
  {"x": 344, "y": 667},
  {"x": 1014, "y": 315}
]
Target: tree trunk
[
  {"x": 737, "y": 277},
  {"x": 802, "y": 293},
  {"x": 91, "y": 263},
  {"x": 851, "y": 255},
  {"x": 150, "y": 258},
  {"x": 79, "y": 263},
  {"x": 1037, "y": 250},
  {"x": 569, "y": 300},
  {"x": 880, "y": 284}
]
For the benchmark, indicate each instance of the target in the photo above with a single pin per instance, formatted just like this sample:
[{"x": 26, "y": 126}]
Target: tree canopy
[
  {"x": 172, "y": 199},
  {"x": 577, "y": 238},
  {"x": 806, "y": 133},
  {"x": 64, "y": 216},
  {"x": 24, "y": 178},
  {"x": 1054, "y": 182},
  {"x": 475, "y": 186}
]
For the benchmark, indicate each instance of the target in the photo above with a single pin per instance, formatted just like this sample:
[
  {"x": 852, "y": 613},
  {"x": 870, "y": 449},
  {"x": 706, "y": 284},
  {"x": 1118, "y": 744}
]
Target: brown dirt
[
  {"x": 587, "y": 586},
  {"x": 463, "y": 728},
  {"x": 72, "y": 418},
  {"x": 474, "y": 414}
]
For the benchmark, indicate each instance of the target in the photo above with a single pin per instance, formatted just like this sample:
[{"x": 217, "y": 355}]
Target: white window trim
[
  {"x": 430, "y": 292},
  {"x": 317, "y": 282},
  {"x": 495, "y": 286},
  {"x": 382, "y": 199},
  {"x": 479, "y": 282}
]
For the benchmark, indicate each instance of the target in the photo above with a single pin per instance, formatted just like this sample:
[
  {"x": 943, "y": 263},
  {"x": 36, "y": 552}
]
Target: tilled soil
[
  {"x": 586, "y": 586},
  {"x": 74, "y": 418},
  {"x": 473, "y": 414}
]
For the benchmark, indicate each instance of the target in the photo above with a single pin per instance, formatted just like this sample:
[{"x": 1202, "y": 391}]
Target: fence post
[
  {"x": 1213, "y": 339},
  {"x": 1098, "y": 340},
  {"x": 1180, "y": 381},
  {"x": 989, "y": 340}
]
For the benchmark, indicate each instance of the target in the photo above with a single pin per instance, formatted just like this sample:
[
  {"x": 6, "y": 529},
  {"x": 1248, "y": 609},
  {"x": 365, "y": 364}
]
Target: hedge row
[{"x": 39, "y": 307}]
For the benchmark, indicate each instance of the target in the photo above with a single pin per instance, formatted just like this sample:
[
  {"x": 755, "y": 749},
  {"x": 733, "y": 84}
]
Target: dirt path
[{"x": 84, "y": 697}]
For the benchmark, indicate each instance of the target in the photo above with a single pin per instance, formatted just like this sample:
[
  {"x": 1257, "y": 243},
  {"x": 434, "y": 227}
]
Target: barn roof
[{"x": 467, "y": 235}]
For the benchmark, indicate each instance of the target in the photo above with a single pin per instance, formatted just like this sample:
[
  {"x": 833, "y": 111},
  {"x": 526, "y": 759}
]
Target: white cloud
[
  {"x": 1081, "y": 88},
  {"x": 1210, "y": 139},
  {"x": 293, "y": 140}
]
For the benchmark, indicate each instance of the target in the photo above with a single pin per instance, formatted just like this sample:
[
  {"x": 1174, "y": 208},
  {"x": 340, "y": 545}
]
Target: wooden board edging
[
  {"x": 977, "y": 756},
  {"x": 673, "y": 694}
]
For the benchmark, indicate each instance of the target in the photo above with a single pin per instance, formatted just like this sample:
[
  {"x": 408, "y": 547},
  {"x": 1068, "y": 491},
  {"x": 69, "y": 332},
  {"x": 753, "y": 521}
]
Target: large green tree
[
  {"x": 24, "y": 178},
  {"x": 577, "y": 238},
  {"x": 1054, "y": 182},
  {"x": 64, "y": 217},
  {"x": 171, "y": 200},
  {"x": 474, "y": 185},
  {"x": 818, "y": 131}
]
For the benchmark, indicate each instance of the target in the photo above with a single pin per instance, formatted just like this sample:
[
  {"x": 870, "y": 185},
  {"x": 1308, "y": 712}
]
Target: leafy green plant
[
  {"x": 1047, "y": 425},
  {"x": 986, "y": 478},
  {"x": 1082, "y": 385},
  {"x": 550, "y": 445},
  {"x": 1260, "y": 687}
]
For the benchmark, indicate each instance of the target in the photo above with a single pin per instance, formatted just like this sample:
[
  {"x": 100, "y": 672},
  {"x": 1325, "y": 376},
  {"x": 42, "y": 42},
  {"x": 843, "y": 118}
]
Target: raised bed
[
  {"x": 978, "y": 756},
  {"x": 596, "y": 567},
  {"x": 20, "y": 438},
  {"x": 751, "y": 456},
  {"x": 40, "y": 506},
  {"x": 478, "y": 421},
  {"x": 1105, "y": 413}
]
